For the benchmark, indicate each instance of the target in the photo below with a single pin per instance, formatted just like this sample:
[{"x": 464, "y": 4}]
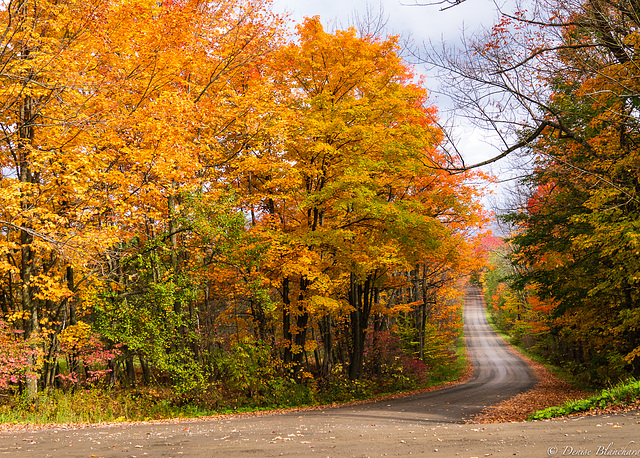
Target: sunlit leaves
[{"x": 174, "y": 173}]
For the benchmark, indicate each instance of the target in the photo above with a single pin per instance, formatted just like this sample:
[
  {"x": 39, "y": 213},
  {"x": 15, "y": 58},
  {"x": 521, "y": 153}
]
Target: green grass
[
  {"x": 622, "y": 394},
  {"x": 457, "y": 368},
  {"x": 95, "y": 406}
]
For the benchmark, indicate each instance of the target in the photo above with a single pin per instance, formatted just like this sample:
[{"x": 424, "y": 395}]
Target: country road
[{"x": 428, "y": 424}]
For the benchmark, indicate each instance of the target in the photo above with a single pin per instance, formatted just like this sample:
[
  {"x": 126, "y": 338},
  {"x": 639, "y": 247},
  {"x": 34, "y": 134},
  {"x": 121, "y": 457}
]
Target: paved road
[
  {"x": 422, "y": 425},
  {"x": 498, "y": 375}
]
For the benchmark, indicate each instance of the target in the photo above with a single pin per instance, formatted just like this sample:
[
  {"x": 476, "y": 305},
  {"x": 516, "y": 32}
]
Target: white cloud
[{"x": 424, "y": 23}]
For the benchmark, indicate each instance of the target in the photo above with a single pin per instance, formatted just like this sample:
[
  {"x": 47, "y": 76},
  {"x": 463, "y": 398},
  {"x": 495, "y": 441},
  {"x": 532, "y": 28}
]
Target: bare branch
[
  {"x": 526, "y": 141},
  {"x": 447, "y": 4}
]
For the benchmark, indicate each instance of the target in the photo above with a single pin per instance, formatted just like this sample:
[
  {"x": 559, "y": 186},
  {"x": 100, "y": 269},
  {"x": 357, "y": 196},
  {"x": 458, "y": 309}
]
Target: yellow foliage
[
  {"x": 323, "y": 304},
  {"x": 310, "y": 345},
  {"x": 75, "y": 335},
  {"x": 15, "y": 316},
  {"x": 403, "y": 308}
]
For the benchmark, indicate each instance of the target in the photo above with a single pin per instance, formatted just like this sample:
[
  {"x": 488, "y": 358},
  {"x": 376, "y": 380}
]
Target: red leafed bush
[
  {"x": 385, "y": 357},
  {"x": 78, "y": 343},
  {"x": 15, "y": 354}
]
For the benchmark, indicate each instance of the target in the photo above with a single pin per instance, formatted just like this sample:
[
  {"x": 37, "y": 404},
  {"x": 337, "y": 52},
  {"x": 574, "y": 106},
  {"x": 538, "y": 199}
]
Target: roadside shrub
[
  {"x": 341, "y": 389},
  {"x": 251, "y": 376},
  {"x": 390, "y": 365},
  {"x": 83, "y": 348},
  {"x": 14, "y": 357}
]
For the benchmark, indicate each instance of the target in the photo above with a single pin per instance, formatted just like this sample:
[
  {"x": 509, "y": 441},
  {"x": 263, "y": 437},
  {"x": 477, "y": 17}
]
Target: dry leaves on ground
[{"x": 550, "y": 391}]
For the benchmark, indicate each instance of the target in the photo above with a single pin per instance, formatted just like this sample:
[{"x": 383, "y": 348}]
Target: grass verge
[
  {"x": 95, "y": 405},
  {"x": 618, "y": 396}
]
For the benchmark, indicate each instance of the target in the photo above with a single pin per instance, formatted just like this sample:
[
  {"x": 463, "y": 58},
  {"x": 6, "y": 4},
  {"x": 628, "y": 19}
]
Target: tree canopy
[
  {"x": 183, "y": 184},
  {"x": 563, "y": 80}
]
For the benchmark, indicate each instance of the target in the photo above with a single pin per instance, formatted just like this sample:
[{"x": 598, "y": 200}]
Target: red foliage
[
  {"x": 14, "y": 357},
  {"x": 383, "y": 353}
]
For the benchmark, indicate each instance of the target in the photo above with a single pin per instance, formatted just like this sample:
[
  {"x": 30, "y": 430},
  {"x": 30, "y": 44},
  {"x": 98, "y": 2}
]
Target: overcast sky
[{"x": 404, "y": 17}]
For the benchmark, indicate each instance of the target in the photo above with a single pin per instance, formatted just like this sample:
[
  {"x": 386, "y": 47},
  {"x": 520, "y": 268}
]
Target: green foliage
[
  {"x": 252, "y": 376},
  {"x": 437, "y": 347},
  {"x": 145, "y": 311},
  {"x": 246, "y": 366},
  {"x": 341, "y": 388},
  {"x": 96, "y": 405},
  {"x": 621, "y": 394},
  {"x": 188, "y": 375}
]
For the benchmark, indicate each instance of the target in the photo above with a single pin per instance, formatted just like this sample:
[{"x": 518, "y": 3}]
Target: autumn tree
[
  {"x": 48, "y": 195},
  {"x": 108, "y": 124},
  {"x": 559, "y": 84},
  {"x": 178, "y": 182},
  {"x": 350, "y": 197},
  {"x": 194, "y": 105}
]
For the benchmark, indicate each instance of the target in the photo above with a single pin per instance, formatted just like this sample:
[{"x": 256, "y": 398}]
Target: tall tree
[
  {"x": 111, "y": 113},
  {"x": 361, "y": 199}
]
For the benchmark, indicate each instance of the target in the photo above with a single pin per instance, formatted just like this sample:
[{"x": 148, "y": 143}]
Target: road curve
[
  {"x": 498, "y": 375},
  {"x": 362, "y": 430}
]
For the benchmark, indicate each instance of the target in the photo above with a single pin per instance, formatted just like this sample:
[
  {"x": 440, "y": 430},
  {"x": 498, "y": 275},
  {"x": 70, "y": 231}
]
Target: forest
[
  {"x": 205, "y": 205},
  {"x": 195, "y": 200}
]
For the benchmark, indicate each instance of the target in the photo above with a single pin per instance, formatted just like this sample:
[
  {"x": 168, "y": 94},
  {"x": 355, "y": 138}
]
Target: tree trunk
[
  {"x": 361, "y": 299},
  {"x": 327, "y": 344},
  {"x": 286, "y": 321},
  {"x": 146, "y": 373},
  {"x": 302, "y": 322},
  {"x": 31, "y": 327},
  {"x": 294, "y": 336},
  {"x": 130, "y": 371}
]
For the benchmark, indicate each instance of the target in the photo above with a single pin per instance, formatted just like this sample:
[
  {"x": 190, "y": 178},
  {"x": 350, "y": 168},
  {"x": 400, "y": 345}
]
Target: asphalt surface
[{"x": 429, "y": 424}]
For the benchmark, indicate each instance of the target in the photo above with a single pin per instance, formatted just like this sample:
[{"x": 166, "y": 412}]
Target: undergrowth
[
  {"x": 248, "y": 379},
  {"x": 98, "y": 404},
  {"x": 95, "y": 405},
  {"x": 622, "y": 394}
]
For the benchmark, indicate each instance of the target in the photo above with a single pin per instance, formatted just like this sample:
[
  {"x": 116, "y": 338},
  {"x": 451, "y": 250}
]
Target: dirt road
[{"x": 428, "y": 424}]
